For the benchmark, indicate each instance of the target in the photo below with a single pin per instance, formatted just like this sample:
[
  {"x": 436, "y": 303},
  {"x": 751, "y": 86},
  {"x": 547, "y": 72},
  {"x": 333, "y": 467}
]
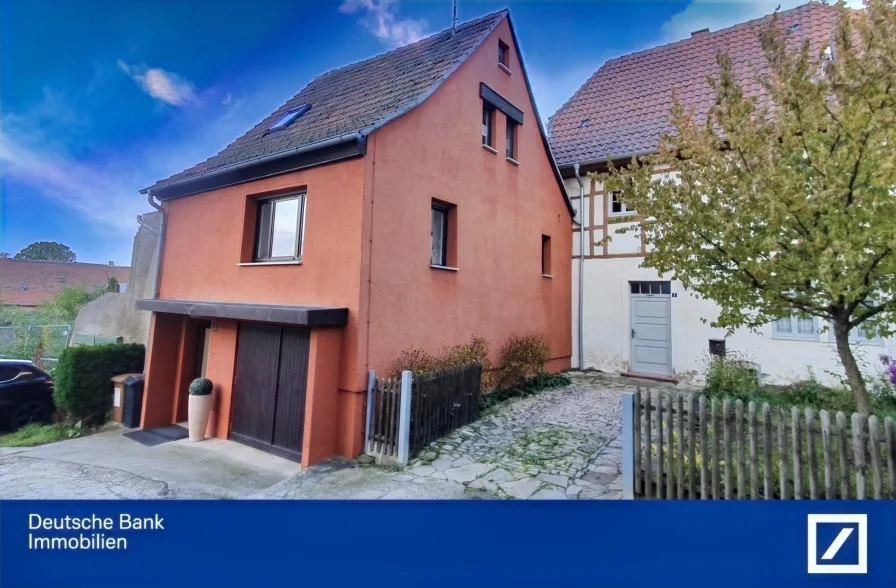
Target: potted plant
[{"x": 199, "y": 407}]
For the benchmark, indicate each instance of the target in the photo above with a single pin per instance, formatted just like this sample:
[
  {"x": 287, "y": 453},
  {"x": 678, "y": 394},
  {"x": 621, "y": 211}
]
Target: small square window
[
  {"x": 617, "y": 207},
  {"x": 651, "y": 288},
  {"x": 546, "y": 255},
  {"x": 511, "y": 139},
  {"x": 503, "y": 53},
  {"x": 280, "y": 228},
  {"x": 488, "y": 124}
]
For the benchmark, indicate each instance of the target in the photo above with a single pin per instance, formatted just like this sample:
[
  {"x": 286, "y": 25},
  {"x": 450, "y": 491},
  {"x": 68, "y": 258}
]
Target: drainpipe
[
  {"x": 160, "y": 242},
  {"x": 581, "y": 222}
]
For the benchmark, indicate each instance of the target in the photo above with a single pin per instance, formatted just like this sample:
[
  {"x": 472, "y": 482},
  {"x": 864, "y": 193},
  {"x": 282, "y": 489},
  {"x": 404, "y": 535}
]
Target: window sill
[
  {"x": 622, "y": 214},
  {"x": 513, "y": 161},
  {"x": 505, "y": 68},
  {"x": 256, "y": 263},
  {"x": 792, "y": 338},
  {"x": 443, "y": 267},
  {"x": 549, "y": 276},
  {"x": 489, "y": 148}
]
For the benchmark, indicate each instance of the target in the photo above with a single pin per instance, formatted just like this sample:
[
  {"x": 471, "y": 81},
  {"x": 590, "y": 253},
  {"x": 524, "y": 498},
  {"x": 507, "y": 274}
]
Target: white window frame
[
  {"x": 794, "y": 333},
  {"x": 855, "y": 337},
  {"x": 625, "y": 210}
]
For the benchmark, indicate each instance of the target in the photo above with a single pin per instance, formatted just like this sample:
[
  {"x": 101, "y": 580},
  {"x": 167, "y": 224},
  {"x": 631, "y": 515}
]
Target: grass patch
[
  {"x": 530, "y": 387},
  {"x": 35, "y": 434}
]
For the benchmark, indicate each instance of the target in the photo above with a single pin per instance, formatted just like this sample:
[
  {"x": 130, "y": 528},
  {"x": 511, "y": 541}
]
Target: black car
[{"x": 26, "y": 394}]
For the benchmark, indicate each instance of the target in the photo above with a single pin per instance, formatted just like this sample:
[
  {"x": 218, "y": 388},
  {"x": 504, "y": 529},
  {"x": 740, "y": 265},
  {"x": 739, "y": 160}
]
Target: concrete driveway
[{"x": 109, "y": 465}]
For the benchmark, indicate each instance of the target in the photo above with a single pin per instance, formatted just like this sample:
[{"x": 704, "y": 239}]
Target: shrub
[
  {"x": 414, "y": 360},
  {"x": 201, "y": 387},
  {"x": 522, "y": 357},
  {"x": 83, "y": 379},
  {"x": 731, "y": 376},
  {"x": 419, "y": 361},
  {"x": 535, "y": 385}
]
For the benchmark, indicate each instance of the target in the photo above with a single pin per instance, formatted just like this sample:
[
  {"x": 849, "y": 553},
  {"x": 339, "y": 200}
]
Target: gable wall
[{"x": 435, "y": 152}]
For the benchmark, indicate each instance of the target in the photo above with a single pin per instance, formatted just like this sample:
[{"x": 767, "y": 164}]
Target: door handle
[{"x": 633, "y": 333}]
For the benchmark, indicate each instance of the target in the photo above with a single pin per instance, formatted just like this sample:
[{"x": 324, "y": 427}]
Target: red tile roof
[
  {"x": 626, "y": 103},
  {"x": 44, "y": 279}
]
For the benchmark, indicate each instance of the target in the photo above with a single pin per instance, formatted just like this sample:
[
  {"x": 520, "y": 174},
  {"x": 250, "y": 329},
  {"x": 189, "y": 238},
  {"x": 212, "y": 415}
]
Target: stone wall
[{"x": 114, "y": 314}]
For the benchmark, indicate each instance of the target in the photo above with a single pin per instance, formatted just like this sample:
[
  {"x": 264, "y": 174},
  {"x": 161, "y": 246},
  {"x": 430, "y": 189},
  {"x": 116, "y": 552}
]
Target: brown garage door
[{"x": 269, "y": 388}]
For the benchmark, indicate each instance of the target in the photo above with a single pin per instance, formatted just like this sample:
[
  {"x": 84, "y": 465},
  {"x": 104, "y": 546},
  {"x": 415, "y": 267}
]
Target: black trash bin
[{"x": 133, "y": 401}]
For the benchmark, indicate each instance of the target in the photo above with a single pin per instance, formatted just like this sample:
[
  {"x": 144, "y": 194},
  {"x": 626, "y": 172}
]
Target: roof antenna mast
[{"x": 454, "y": 18}]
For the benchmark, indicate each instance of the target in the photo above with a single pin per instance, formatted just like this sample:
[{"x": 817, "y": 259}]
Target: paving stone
[
  {"x": 438, "y": 476},
  {"x": 365, "y": 459},
  {"x": 562, "y": 481},
  {"x": 547, "y": 494},
  {"x": 422, "y": 470},
  {"x": 606, "y": 469},
  {"x": 498, "y": 475},
  {"x": 521, "y": 488},
  {"x": 468, "y": 473},
  {"x": 573, "y": 491},
  {"x": 597, "y": 478},
  {"x": 461, "y": 461},
  {"x": 441, "y": 464}
]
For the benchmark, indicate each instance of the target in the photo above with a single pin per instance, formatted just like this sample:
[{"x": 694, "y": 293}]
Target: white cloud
[
  {"x": 160, "y": 84},
  {"x": 227, "y": 99},
  {"x": 720, "y": 14},
  {"x": 379, "y": 18}
]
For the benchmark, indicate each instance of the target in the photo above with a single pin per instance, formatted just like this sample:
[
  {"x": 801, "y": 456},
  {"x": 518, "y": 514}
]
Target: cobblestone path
[{"x": 563, "y": 443}]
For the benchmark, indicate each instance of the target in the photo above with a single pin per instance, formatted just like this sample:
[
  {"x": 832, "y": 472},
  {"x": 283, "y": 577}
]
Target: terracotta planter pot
[{"x": 198, "y": 410}]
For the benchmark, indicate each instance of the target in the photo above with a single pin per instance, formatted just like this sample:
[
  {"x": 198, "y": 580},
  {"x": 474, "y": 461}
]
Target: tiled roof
[
  {"x": 627, "y": 102},
  {"x": 356, "y": 97},
  {"x": 28, "y": 283}
]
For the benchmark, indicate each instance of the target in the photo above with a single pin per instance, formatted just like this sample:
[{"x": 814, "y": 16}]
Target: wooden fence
[
  {"x": 682, "y": 445},
  {"x": 404, "y": 415},
  {"x": 383, "y": 412},
  {"x": 442, "y": 402}
]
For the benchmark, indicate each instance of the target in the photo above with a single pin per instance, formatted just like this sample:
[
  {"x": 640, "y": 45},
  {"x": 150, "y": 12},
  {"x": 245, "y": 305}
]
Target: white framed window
[
  {"x": 280, "y": 229},
  {"x": 795, "y": 327},
  {"x": 617, "y": 207},
  {"x": 860, "y": 335}
]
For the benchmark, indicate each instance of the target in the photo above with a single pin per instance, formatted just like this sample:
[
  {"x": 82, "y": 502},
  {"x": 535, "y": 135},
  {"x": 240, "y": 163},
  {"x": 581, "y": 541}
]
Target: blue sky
[{"x": 99, "y": 99}]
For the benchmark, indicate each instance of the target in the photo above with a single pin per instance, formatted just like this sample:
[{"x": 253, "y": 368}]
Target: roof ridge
[
  {"x": 465, "y": 24},
  {"x": 69, "y": 263},
  {"x": 741, "y": 25},
  {"x": 640, "y": 53}
]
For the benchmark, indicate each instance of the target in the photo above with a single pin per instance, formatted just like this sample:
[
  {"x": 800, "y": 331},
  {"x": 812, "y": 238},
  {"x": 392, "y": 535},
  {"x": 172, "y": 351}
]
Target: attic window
[
  {"x": 503, "y": 55},
  {"x": 24, "y": 288},
  {"x": 585, "y": 123},
  {"x": 290, "y": 117},
  {"x": 794, "y": 28}
]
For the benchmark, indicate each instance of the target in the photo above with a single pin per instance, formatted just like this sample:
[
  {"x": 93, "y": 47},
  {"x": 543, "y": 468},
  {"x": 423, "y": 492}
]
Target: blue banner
[{"x": 256, "y": 544}]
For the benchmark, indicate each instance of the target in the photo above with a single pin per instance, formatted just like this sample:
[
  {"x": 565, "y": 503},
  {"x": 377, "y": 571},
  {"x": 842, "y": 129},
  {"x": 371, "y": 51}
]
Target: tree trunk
[{"x": 853, "y": 374}]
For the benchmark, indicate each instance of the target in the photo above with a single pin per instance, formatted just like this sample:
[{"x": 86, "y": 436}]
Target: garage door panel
[
  {"x": 255, "y": 383},
  {"x": 289, "y": 419}
]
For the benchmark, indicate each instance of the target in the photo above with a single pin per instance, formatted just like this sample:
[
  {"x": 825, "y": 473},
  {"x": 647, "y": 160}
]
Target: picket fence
[
  {"x": 406, "y": 414},
  {"x": 680, "y": 445}
]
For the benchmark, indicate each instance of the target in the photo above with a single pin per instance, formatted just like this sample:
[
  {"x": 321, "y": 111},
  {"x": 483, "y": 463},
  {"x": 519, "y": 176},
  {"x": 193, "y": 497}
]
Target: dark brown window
[
  {"x": 488, "y": 124},
  {"x": 545, "y": 255},
  {"x": 280, "y": 228},
  {"x": 503, "y": 54},
  {"x": 512, "y": 132}
]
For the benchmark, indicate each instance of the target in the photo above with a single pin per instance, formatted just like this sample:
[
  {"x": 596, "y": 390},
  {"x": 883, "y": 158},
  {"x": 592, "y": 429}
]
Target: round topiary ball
[{"x": 201, "y": 387}]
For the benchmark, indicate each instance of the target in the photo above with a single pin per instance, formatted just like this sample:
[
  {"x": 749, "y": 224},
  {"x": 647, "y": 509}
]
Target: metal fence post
[
  {"x": 628, "y": 446},
  {"x": 371, "y": 406},
  {"x": 404, "y": 417}
]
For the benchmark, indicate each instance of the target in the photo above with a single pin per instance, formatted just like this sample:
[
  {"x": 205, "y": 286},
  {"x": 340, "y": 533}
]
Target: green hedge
[{"x": 83, "y": 379}]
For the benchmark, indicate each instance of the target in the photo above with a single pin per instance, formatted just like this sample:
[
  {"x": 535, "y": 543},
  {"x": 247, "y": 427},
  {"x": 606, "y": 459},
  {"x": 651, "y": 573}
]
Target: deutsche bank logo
[{"x": 838, "y": 544}]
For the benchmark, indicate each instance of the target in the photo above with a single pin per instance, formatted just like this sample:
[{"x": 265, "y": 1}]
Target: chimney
[
  {"x": 111, "y": 263},
  {"x": 700, "y": 33}
]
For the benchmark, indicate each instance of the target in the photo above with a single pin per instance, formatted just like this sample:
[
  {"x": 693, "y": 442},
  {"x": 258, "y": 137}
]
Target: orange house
[{"x": 409, "y": 200}]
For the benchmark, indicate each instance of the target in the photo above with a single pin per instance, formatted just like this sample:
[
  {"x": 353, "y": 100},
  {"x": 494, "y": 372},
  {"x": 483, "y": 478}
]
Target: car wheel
[{"x": 34, "y": 411}]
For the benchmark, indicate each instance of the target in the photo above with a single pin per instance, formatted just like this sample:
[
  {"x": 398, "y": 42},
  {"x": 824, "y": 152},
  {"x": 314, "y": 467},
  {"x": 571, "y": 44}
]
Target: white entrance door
[{"x": 651, "y": 328}]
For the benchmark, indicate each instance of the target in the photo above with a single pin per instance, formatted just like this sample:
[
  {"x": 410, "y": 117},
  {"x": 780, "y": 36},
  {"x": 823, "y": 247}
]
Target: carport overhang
[{"x": 305, "y": 316}]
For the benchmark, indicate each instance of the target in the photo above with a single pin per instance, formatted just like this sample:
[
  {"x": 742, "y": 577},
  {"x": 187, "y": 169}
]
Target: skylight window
[{"x": 290, "y": 117}]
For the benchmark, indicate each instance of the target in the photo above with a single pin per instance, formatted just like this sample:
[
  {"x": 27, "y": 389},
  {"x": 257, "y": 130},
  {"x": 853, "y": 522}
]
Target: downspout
[
  {"x": 581, "y": 221},
  {"x": 160, "y": 243}
]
